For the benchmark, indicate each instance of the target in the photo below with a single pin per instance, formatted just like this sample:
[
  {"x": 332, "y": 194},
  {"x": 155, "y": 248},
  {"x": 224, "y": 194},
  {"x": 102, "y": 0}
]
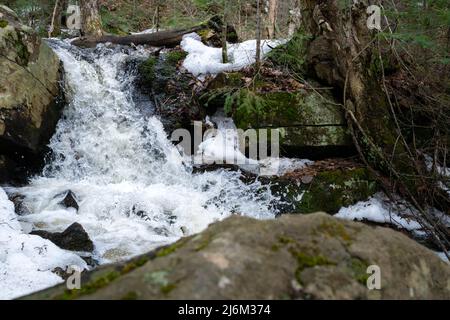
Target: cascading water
[{"x": 133, "y": 188}]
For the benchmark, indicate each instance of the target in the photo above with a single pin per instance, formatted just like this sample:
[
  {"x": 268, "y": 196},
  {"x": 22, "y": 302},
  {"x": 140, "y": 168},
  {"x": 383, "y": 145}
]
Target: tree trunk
[
  {"x": 55, "y": 25},
  {"x": 273, "y": 9},
  {"x": 343, "y": 53},
  {"x": 224, "y": 35},
  {"x": 91, "y": 23},
  {"x": 258, "y": 34}
]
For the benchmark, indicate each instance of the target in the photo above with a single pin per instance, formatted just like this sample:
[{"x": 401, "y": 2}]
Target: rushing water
[{"x": 135, "y": 191}]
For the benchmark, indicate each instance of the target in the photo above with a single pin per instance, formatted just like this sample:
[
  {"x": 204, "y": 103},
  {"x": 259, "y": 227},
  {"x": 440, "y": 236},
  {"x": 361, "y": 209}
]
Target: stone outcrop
[
  {"x": 294, "y": 257},
  {"x": 30, "y": 94}
]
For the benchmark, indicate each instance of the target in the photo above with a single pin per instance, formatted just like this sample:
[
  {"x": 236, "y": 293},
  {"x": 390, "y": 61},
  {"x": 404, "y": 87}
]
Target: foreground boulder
[
  {"x": 30, "y": 95},
  {"x": 295, "y": 257},
  {"x": 74, "y": 238}
]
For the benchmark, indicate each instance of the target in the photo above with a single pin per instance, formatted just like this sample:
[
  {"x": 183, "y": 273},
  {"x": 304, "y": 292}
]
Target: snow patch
[
  {"x": 203, "y": 60},
  {"x": 27, "y": 261},
  {"x": 379, "y": 209}
]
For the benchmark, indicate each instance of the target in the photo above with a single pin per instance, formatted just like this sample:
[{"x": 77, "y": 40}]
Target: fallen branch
[{"x": 158, "y": 39}]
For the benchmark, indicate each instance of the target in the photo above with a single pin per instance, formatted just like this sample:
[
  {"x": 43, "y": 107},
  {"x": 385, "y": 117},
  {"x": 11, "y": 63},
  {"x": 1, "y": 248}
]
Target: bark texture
[{"x": 91, "y": 23}]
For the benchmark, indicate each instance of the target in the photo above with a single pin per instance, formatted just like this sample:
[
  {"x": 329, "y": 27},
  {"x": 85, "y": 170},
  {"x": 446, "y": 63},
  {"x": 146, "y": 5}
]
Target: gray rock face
[
  {"x": 295, "y": 257},
  {"x": 30, "y": 95}
]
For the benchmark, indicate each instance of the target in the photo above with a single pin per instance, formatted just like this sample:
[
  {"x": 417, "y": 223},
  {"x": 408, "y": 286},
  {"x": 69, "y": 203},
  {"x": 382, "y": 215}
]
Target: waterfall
[{"x": 134, "y": 189}]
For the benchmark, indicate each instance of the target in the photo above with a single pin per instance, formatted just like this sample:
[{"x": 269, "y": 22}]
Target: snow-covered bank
[
  {"x": 203, "y": 60},
  {"x": 27, "y": 261},
  {"x": 380, "y": 210}
]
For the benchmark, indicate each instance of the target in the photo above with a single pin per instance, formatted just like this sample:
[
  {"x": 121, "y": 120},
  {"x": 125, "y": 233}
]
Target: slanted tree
[{"x": 55, "y": 25}]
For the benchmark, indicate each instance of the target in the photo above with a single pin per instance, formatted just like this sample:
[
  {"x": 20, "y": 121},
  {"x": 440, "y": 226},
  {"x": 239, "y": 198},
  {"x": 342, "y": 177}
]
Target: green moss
[
  {"x": 90, "y": 287},
  {"x": 170, "y": 249},
  {"x": 332, "y": 190},
  {"x": 358, "y": 270},
  {"x": 168, "y": 288},
  {"x": 334, "y": 229},
  {"x": 305, "y": 261},
  {"x": 174, "y": 57},
  {"x": 204, "y": 242},
  {"x": 104, "y": 278},
  {"x": 134, "y": 264},
  {"x": 3, "y": 23},
  {"x": 147, "y": 70}
]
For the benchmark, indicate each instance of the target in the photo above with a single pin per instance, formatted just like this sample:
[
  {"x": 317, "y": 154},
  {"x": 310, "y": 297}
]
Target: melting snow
[{"x": 203, "y": 60}]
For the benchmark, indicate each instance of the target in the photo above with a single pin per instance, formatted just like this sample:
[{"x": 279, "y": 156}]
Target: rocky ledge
[
  {"x": 31, "y": 99},
  {"x": 294, "y": 257}
]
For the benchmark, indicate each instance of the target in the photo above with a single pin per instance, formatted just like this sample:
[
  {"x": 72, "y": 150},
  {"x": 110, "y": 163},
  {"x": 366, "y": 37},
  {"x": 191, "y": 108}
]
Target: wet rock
[
  {"x": 31, "y": 98},
  {"x": 294, "y": 257},
  {"x": 70, "y": 201},
  {"x": 74, "y": 238},
  {"x": 19, "y": 206}
]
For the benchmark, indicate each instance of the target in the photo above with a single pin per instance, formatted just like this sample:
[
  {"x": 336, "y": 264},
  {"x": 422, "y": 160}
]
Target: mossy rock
[
  {"x": 312, "y": 256},
  {"x": 328, "y": 191},
  {"x": 286, "y": 109},
  {"x": 305, "y": 119},
  {"x": 31, "y": 98},
  {"x": 331, "y": 190}
]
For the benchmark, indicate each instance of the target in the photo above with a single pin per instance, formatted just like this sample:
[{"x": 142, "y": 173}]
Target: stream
[{"x": 134, "y": 189}]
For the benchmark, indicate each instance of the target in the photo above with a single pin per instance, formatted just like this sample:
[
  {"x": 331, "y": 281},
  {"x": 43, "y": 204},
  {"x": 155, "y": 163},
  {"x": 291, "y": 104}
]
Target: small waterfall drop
[{"x": 134, "y": 190}]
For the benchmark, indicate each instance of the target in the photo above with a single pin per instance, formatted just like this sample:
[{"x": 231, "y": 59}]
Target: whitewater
[{"x": 134, "y": 189}]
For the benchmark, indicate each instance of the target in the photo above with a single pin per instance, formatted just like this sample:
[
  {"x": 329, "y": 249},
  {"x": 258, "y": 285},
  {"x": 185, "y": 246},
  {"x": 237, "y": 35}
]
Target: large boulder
[
  {"x": 295, "y": 257},
  {"x": 30, "y": 94}
]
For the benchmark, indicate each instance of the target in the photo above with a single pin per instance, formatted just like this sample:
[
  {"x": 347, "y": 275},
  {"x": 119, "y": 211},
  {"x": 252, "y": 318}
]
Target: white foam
[
  {"x": 223, "y": 146},
  {"x": 134, "y": 190}
]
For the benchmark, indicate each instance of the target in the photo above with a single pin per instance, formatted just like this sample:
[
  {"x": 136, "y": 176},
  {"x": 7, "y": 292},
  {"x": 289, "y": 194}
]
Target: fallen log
[{"x": 170, "y": 38}]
